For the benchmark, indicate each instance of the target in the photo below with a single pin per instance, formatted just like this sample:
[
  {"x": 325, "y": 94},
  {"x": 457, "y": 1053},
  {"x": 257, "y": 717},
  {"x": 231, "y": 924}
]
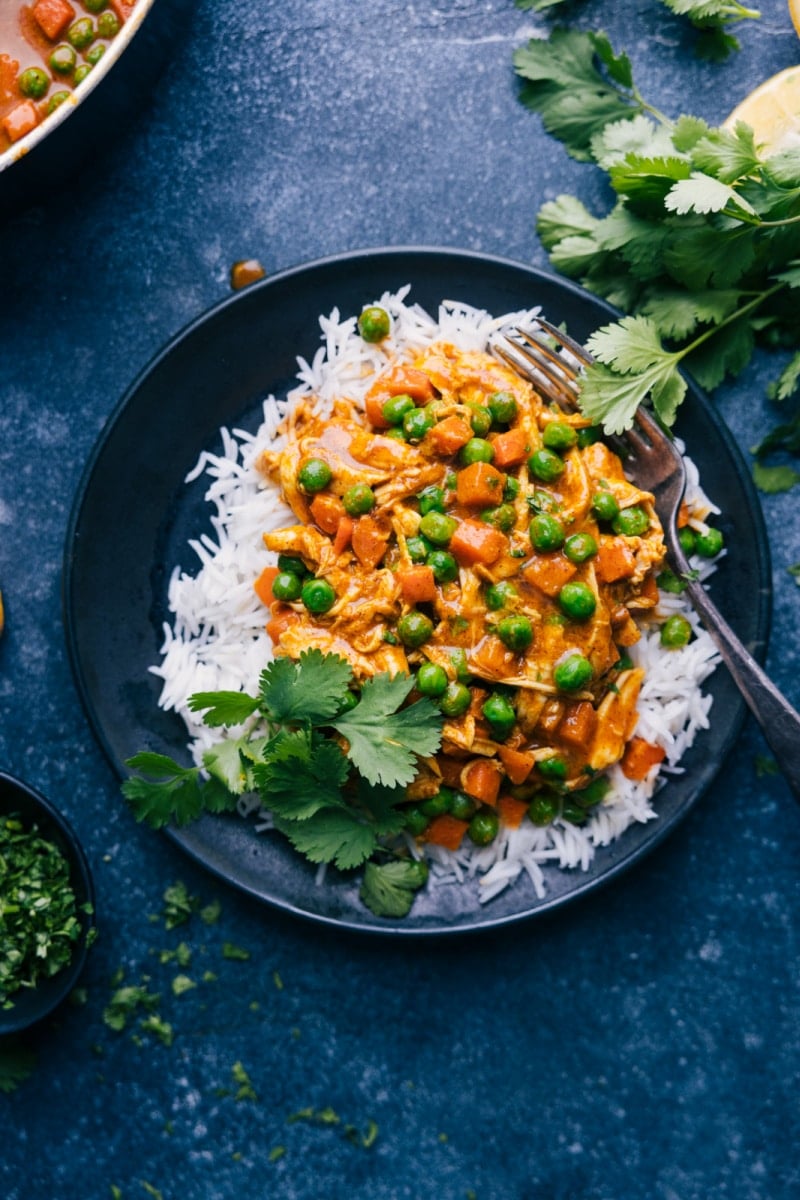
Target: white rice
[{"x": 217, "y": 640}]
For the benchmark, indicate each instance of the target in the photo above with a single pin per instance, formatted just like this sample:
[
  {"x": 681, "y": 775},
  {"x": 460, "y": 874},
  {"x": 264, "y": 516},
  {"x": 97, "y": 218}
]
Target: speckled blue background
[{"x": 642, "y": 1045}]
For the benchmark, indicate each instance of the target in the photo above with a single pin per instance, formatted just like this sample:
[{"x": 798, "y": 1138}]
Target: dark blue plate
[{"x": 133, "y": 515}]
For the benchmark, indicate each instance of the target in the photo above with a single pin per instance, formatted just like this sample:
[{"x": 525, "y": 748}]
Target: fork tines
[{"x": 553, "y": 369}]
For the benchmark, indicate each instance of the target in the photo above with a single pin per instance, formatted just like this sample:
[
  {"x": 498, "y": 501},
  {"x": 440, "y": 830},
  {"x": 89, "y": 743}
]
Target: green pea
[
  {"x": 675, "y": 632},
  {"x": 94, "y": 6},
  {"x": 349, "y": 701},
  {"x": 476, "y": 450},
  {"x": 545, "y": 465},
  {"x": 631, "y": 522},
  {"x": 287, "y": 586},
  {"x": 579, "y": 547},
  {"x": 543, "y": 808},
  {"x": 56, "y": 100},
  {"x": 554, "y": 767},
  {"x": 558, "y": 435},
  {"x": 480, "y": 420},
  {"x": 574, "y": 814},
  {"x": 432, "y": 679},
  {"x": 374, "y": 324},
  {"x": 438, "y": 528},
  {"x": 418, "y": 549},
  {"x": 314, "y": 475},
  {"x": 483, "y": 827},
  {"x": 604, "y": 506},
  {"x": 33, "y": 82},
  {"x": 709, "y": 544},
  {"x": 515, "y": 632},
  {"x": 588, "y": 436},
  {"x": 290, "y": 562},
  {"x": 546, "y": 532},
  {"x": 503, "y": 407},
  {"x": 396, "y": 433},
  {"x": 499, "y": 712},
  {"x": 107, "y": 25},
  {"x": 668, "y": 581},
  {"x": 593, "y": 793},
  {"x": 416, "y": 424},
  {"x": 415, "y": 819},
  {"x": 431, "y": 499},
  {"x": 501, "y": 595},
  {"x": 688, "y": 540},
  {"x": 511, "y": 489},
  {"x": 414, "y": 629},
  {"x": 503, "y": 517},
  {"x": 462, "y": 806},
  {"x": 456, "y": 700},
  {"x": 95, "y": 53},
  {"x": 358, "y": 499},
  {"x": 396, "y": 407},
  {"x": 577, "y": 600},
  {"x": 443, "y": 565},
  {"x": 451, "y": 481},
  {"x": 434, "y": 806},
  {"x": 63, "y": 60},
  {"x": 317, "y": 595},
  {"x": 572, "y": 672},
  {"x": 81, "y": 33},
  {"x": 458, "y": 658},
  {"x": 81, "y": 72}
]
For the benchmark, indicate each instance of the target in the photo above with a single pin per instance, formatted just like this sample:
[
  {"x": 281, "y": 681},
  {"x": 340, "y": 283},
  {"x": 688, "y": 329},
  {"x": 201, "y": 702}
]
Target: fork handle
[{"x": 779, "y": 722}]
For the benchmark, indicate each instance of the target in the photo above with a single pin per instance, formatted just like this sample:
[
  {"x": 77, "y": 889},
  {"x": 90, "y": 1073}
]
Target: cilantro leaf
[
  {"x": 384, "y": 743},
  {"x": 339, "y": 836},
  {"x": 301, "y": 774},
  {"x": 223, "y": 761},
  {"x": 702, "y": 193},
  {"x": 388, "y": 890},
  {"x": 224, "y": 708},
  {"x": 788, "y": 381},
  {"x": 771, "y": 480},
  {"x": 308, "y": 690},
  {"x": 174, "y": 793}
]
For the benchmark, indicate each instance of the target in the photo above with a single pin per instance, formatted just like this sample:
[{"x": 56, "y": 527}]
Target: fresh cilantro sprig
[
  {"x": 712, "y": 20},
  {"x": 701, "y": 248},
  {"x": 331, "y": 770}
]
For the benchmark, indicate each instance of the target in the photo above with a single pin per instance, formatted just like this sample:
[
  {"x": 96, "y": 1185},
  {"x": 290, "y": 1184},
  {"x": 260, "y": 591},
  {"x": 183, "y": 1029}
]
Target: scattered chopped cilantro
[
  {"x": 275, "y": 1153},
  {"x": 178, "y": 905},
  {"x": 765, "y": 767},
  {"x": 238, "y": 953},
  {"x": 126, "y": 1002},
  {"x": 158, "y": 1027},
  {"x": 181, "y": 984},
  {"x": 244, "y": 1086},
  {"x": 276, "y": 979}
]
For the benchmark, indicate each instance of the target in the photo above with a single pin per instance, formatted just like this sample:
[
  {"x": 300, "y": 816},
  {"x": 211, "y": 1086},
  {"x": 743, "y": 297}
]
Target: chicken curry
[{"x": 459, "y": 528}]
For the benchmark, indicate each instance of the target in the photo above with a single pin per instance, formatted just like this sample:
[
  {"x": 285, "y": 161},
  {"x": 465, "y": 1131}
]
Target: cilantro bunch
[
  {"x": 331, "y": 768},
  {"x": 701, "y": 248}
]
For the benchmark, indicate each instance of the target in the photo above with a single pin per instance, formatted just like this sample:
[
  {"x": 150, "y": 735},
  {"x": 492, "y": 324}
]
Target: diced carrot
[
  {"x": 492, "y": 657},
  {"x": 53, "y": 17},
  {"x": 396, "y": 382},
  {"x": 327, "y": 511},
  {"x": 475, "y": 542},
  {"x": 263, "y": 585},
  {"x": 449, "y": 435},
  {"x": 512, "y": 811},
  {"x": 548, "y": 572},
  {"x": 282, "y": 618},
  {"x": 639, "y": 757},
  {"x": 510, "y": 447},
  {"x": 614, "y": 560},
  {"x": 649, "y": 588},
  {"x": 21, "y": 120},
  {"x": 518, "y": 763},
  {"x": 578, "y": 724},
  {"x": 481, "y": 778},
  {"x": 344, "y": 534},
  {"x": 479, "y": 484},
  {"x": 417, "y": 584},
  {"x": 122, "y": 8},
  {"x": 369, "y": 542},
  {"x": 446, "y": 831},
  {"x": 683, "y": 515}
]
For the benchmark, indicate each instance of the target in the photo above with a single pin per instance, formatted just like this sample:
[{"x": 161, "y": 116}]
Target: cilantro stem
[{"x": 734, "y": 316}]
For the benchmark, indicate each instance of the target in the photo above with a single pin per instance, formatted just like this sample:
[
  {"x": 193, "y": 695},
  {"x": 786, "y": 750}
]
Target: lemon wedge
[{"x": 772, "y": 110}]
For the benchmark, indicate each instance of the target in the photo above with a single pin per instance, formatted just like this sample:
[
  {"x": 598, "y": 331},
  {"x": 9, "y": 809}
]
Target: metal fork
[{"x": 553, "y": 363}]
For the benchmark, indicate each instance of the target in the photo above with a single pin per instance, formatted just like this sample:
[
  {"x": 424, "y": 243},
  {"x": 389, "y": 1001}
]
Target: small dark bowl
[{"x": 33, "y": 1004}]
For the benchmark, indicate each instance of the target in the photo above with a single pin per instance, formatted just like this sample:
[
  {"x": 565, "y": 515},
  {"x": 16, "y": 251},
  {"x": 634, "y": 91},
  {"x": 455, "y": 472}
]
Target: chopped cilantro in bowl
[{"x": 46, "y": 906}]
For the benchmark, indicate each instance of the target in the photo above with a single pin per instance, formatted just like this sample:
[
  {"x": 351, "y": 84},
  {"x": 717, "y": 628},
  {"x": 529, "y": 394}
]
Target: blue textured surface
[{"x": 644, "y": 1044}]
